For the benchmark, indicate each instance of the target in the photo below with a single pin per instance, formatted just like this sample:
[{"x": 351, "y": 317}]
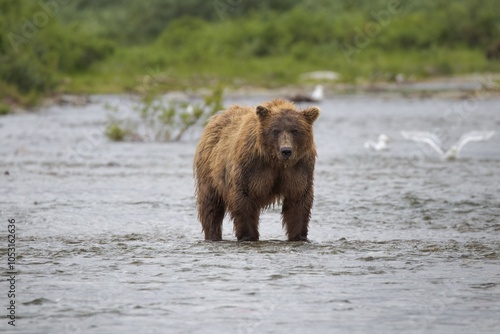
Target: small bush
[
  {"x": 4, "y": 109},
  {"x": 162, "y": 121},
  {"x": 115, "y": 132}
]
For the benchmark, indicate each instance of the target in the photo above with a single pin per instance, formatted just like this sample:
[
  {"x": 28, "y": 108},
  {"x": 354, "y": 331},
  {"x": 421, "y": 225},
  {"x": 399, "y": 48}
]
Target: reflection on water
[{"x": 108, "y": 239}]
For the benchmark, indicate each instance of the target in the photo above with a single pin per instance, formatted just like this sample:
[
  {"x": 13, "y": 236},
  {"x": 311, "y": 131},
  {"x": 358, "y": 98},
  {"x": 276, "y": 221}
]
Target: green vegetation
[
  {"x": 97, "y": 46},
  {"x": 4, "y": 109},
  {"x": 37, "y": 51},
  {"x": 115, "y": 132},
  {"x": 159, "y": 120}
]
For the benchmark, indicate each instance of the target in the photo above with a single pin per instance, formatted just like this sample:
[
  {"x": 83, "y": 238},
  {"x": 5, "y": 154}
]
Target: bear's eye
[
  {"x": 294, "y": 131},
  {"x": 276, "y": 132}
]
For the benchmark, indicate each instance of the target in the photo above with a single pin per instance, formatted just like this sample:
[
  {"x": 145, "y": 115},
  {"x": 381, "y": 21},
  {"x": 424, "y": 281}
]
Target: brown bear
[{"x": 250, "y": 158}]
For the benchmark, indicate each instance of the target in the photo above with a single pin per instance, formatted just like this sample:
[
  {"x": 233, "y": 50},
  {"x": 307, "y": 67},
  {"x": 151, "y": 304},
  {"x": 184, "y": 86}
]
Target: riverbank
[{"x": 484, "y": 85}]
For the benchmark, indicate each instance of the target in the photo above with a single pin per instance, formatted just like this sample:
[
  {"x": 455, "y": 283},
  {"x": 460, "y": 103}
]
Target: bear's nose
[{"x": 286, "y": 152}]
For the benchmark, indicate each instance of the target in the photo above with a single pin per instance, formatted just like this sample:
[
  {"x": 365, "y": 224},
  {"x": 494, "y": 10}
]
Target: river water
[{"x": 107, "y": 238}]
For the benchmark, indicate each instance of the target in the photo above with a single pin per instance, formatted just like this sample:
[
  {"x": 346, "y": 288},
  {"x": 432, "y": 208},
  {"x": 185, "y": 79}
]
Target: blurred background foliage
[{"x": 110, "y": 46}]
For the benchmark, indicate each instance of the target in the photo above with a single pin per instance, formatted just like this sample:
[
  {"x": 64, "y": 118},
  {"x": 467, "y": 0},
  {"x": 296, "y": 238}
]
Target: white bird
[
  {"x": 380, "y": 145},
  {"x": 453, "y": 152},
  {"x": 318, "y": 93},
  {"x": 190, "y": 109}
]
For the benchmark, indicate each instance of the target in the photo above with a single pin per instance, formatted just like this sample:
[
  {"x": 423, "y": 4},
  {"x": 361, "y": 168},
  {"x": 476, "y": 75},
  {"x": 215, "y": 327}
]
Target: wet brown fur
[{"x": 240, "y": 169}]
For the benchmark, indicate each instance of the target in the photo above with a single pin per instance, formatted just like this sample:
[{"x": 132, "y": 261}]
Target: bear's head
[{"x": 286, "y": 132}]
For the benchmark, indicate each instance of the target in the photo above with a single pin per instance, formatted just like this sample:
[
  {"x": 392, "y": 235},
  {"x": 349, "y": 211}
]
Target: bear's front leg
[
  {"x": 296, "y": 215},
  {"x": 246, "y": 220}
]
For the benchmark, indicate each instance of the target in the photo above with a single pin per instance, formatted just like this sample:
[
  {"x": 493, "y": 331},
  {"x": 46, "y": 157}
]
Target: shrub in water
[{"x": 155, "y": 119}]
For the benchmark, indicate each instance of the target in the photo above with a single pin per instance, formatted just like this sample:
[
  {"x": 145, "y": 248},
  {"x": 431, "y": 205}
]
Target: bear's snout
[{"x": 286, "y": 152}]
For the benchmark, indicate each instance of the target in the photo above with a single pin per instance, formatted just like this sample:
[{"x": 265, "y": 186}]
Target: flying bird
[
  {"x": 380, "y": 145},
  {"x": 316, "y": 96},
  {"x": 453, "y": 152}
]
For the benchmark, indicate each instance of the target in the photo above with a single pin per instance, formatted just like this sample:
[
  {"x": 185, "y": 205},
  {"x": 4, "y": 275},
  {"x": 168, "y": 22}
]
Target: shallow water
[{"x": 107, "y": 239}]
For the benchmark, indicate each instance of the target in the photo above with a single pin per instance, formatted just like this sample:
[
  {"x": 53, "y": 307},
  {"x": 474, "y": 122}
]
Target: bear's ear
[
  {"x": 311, "y": 114},
  {"x": 262, "y": 112}
]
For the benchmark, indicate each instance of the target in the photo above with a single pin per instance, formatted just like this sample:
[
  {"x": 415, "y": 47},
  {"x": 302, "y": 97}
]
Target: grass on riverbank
[{"x": 142, "y": 67}]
